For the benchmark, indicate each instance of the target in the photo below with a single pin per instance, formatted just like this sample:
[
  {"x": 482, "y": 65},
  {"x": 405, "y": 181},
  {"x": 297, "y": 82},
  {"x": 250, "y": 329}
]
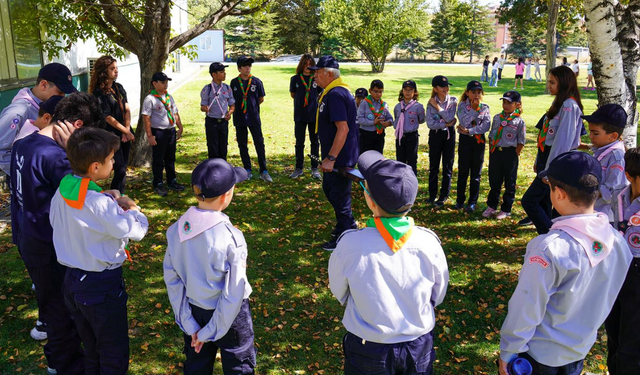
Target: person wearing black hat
[
  {"x": 205, "y": 270},
  {"x": 53, "y": 79},
  {"x": 475, "y": 120},
  {"x": 570, "y": 276},
  {"x": 216, "y": 100},
  {"x": 304, "y": 92},
  {"x": 409, "y": 115},
  {"x": 248, "y": 93},
  {"x": 390, "y": 276},
  {"x": 161, "y": 117},
  {"x": 441, "y": 118},
  {"x": 338, "y": 133},
  {"x": 360, "y": 94}
]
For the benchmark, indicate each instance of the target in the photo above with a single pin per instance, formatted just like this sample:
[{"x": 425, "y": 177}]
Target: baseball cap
[
  {"x": 409, "y": 83},
  {"x": 570, "y": 167},
  {"x": 612, "y": 114},
  {"x": 440, "y": 81},
  {"x": 244, "y": 61},
  {"x": 326, "y": 61},
  {"x": 59, "y": 75},
  {"x": 49, "y": 105},
  {"x": 474, "y": 85},
  {"x": 392, "y": 184},
  {"x": 361, "y": 92},
  {"x": 216, "y": 67},
  {"x": 512, "y": 96},
  {"x": 215, "y": 177},
  {"x": 160, "y": 76}
]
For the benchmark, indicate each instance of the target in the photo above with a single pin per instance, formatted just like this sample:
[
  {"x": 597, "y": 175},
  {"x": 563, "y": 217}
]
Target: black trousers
[
  {"x": 407, "y": 150},
  {"x": 242, "y": 136},
  {"x": 442, "y": 146},
  {"x": 370, "y": 140},
  {"x": 300, "y": 131},
  {"x": 98, "y": 304},
  {"x": 623, "y": 326},
  {"x": 499, "y": 73},
  {"x": 537, "y": 204},
  {"x": 470, "y": 159},
  {"x": 62, "y": 350},
  {"x": 236, "y": 347},
  {"x": 337, "y": 189},
  {"x": 217, "y": 132},
  {"x": 164, "y": 155},
  {"x": 121, "y": 160},
  {"x": 503, "y": 168}
]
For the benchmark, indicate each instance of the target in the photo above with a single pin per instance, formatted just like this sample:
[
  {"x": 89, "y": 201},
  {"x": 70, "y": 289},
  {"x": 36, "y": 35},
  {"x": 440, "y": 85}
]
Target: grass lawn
[{"x": 297, "y": 321}]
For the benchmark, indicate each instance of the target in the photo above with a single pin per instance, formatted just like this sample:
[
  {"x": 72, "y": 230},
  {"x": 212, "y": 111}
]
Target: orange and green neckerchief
[
  {"x": 376, "y": 113},
  {"x": 542, "y": 136},
  {"x": 307, "y": 88},
  {"x": 395, "y": 231},
  {"x": 166, "y": 101},
  {"x": 504, "y": 121},
  {"x": 245, "y": 93}
]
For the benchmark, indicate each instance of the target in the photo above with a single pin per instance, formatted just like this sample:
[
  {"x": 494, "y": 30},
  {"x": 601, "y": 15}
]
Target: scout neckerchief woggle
[
  {"x": 307, "y": 88},
  {"x": 542, "y": 136},
  {"x": 404, "y": 107},
  {"x": 244, "y": 92},
  {"x": 335, "y": 83},
  {"x": 395, "y": 231},
  {"x": 376, "y": 113},
  {"x": 478, "y": 137},
  {"x": 166, "y": 101},
  {"x": 503, "y": 123}
]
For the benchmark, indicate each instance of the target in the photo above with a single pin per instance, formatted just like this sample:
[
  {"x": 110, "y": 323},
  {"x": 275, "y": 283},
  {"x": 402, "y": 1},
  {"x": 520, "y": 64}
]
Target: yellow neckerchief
[{"x": 335, "y": 83}]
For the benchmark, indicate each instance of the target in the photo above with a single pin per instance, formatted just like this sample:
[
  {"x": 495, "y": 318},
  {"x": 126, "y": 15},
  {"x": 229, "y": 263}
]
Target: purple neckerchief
[
  {"x": 592, "y": 232},
  {"x": 25, "y": 94},
  {"x": 215, "y": 97},
  {"x": 446, "y": 107},
  {"x": 601, "y": 152},
  {"x": 196, "y": 221},
  {"x": 400, "y": 126}
]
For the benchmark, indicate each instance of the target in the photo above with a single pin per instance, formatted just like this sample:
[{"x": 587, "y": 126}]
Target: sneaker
[
  {"x": 297, "y": 173},
  {"x": 249, "y": 174},
  {"x": 524, "y": 222},
  {"x": 161, "y": 190},
  {"x": 440, "y": 202},
  {"x": 33, "y": 287},
  {"x": 503, "y": 215},
  {"x": 264, "y": 176},
  {"x": 489, "y": 212},
  {"x": 51, "y": 371},
  {"x": 38, "y": 332},
  {"x": 470, "y": 208},
  {"x": 315, "y": 173},
  {"x": 174, "y": 185},
  {"x": 330, "y": 245},
  {"x": 459, "y": 206}
]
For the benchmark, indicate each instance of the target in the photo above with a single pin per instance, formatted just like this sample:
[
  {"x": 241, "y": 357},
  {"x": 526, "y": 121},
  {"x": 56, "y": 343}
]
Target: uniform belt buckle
[{"x": 500, "y": 149}]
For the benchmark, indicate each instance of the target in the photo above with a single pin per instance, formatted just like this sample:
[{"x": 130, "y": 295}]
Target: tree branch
[{"x": 114, "y": 16}]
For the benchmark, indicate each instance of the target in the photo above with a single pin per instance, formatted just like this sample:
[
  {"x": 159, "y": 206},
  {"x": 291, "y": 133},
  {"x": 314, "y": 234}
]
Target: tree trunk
[
  {"x": 629, "y": 40},
  {"x": 554, "y": 8}
]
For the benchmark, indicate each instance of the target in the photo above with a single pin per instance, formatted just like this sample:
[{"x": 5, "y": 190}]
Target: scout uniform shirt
[
  {"x": 562, "y": 133},
  {"x": 206, "y": 266},
  {"x": 478, "y": 122},
  {"x": 91, "y": 231},
  {"x": 568, "y": 283},
  {"x": 413, "y": 115},
  {"x": 513, "y": 131},
  {"x": 305, "y": 102},
  {"x": 153, "y": 107},
  {"x": 247, "y": 114},
  {"x": 338, "y": 105},
  {"x": 366, "y": 116},
  {"x": 390, "y": 288},
  {"x": 24, "y": 106},
  {"x": 626, "y": 215},
  {"x": 611, "y": 157},
  {"x": 438, "y": 120},
  {"x": 218, "y": 98}
]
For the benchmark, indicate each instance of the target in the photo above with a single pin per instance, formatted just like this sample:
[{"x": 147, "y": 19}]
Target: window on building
[{"x": 20, "y": 55}]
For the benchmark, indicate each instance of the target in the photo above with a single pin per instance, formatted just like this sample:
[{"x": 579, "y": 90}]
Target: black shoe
[
  {"x": 459, "y": 206},
  {"x": 330, "y": 245},
  {"x": 470, "y": 207},
  {"x": 525, "y": 221},
  {"x": 438, "y": 203},
  {"x": 161, "y": 190},
  {"x": 174, "y": 185}
]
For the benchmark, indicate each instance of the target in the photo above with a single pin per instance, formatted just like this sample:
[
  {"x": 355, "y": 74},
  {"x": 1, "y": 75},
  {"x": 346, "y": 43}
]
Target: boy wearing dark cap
[
  {"x": 570, "y": 277},
  {"x": 606, "y": 125},
  {"x": 160, "y": 114},
  {"x": 360, "y": 94},
  {"x": 391, "y": 275},
  {"x": 373, "y": 118},
  {"x": 53, "y": 79},
  {"x": 216, "y": 100},
  {"x": 248, "y": 93},
  {"x": 205, "y": 270}
]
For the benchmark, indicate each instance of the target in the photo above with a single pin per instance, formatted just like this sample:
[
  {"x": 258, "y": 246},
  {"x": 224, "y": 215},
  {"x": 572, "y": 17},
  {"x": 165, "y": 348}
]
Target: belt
[
  {"x": 504, "y": 148},
  {"x": 218, "y": 120},
  {"x": 103, "y": 275}
]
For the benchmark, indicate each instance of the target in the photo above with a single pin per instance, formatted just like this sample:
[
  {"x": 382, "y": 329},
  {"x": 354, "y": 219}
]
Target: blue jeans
[{"x": 494, "y": 78}]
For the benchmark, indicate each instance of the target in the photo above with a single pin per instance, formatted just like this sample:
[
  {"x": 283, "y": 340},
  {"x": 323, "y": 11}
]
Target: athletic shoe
[
  {"x": 330, "y": 245},
  {"x": 297, "y": 173},
  {"x": 51, "y": 371},
  {"x": 525, "y": 221},
  {"x": 38, "y": 332},
  {"x": 249, "y": 174},
  {"x": 175, "y": 186},
  {"x": 439, "y": 203},
  {"x": 459, "y": 206},
  {"x": 264, "y": 176},
  {"x": 489, "y": 212},
  {"x": 161, "y": 190},
  {"x": 470, "y": 208},
  {"x": 503, "y": 215},
  {"x": 316, "y": 174}
]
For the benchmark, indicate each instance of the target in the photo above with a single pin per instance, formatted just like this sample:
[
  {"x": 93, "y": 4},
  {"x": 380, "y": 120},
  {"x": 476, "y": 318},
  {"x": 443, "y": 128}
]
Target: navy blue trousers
[
  {"x": 503, "y": 168},
  {"x": 337, "y": 189},
  {"x": 236, "y": 347},
  {"x": 574, "y": 368},
  {"x": 537, "y": 204},
  {"x": 217, "y": 132},
  {"x": 164, "y": 155},
  {"x": 300, "y": 131},
  {"x": 409, "y": 358},
  {"x": 242, "y": 136},
  {"x": 121, "y": 160},
  {"x": 442, "y": 145},
  {"x": 470, "y": 159},
  {"x": 98, "y": 304},
  {"x": 407, "y": 150},
  {"x": 371, "y": 140}
]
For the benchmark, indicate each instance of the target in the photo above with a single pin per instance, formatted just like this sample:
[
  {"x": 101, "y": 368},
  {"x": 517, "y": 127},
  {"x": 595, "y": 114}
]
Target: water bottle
[{"x": 519, "y": 366}]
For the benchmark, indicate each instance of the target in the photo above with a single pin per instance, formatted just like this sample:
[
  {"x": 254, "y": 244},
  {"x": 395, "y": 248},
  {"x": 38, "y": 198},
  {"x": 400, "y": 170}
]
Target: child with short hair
[
  {"x": 409, "y": 115},
  {"x": 91, "y": 231},
  {"x": 216, "y": 100},
  {"x": 45, "y": 114},
  {"x": 205, "y": 270},
  {"x": 390, "y": 275},
  {"x": 570, "y": 277},
  {"x": 606, "y": 125},
  {"x": 506, "y": 141},
  {"x": 360, "y": 94},
  {"x": 373, "y": 118},
  {"x": 160, "y": 114}
]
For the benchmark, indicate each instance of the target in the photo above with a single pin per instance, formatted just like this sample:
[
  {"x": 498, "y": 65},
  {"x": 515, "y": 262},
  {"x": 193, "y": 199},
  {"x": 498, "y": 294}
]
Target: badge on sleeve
[
  {"x": 634, "y": 220},
  {"x": 539, "y": 260},
  {"x": 634, "y": 240},
  {"x": 551, "y": 131}
]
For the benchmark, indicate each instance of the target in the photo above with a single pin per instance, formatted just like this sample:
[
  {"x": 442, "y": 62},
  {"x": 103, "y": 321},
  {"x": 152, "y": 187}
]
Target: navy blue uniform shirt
[
  {"x": 300, "y": 112},
  {"x": 338, "y": 105},
  {"x": 256, "y": 91}
]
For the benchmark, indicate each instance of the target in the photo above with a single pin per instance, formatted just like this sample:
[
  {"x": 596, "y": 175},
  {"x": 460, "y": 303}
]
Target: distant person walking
[
  {"x": 485, "y": 69},
  {"x": 519, "y": 71}
]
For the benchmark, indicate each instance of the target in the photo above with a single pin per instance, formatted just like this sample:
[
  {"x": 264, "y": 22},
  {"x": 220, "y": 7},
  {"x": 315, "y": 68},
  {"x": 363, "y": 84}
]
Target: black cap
[
  {"x": 326, "y": 61},
  {"x": 440, "y": 81},
  {"x": 215, "y": 177},
  {"x": 409, "y": 83},
  {"x": 512, "y": 96},
  {"x": 361, "y": 92},
  {"x": 570, "y": 167},
  {"x": 160, "y": 76},
  {"x": 612, "y": 114},
  {"x": 216, "y": 67},
  {"x": 392, "y": 184},
  {"x": 49, "y": 105},
  {"x": 244, "y": 61},
  {"x": 474, "y": 85},
  {"x": 59, "y": 75}
]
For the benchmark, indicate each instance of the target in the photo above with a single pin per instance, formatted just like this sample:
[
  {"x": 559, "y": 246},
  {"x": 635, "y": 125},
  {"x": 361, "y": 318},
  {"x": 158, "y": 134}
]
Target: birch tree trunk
[{"x": 552, "y": 36}]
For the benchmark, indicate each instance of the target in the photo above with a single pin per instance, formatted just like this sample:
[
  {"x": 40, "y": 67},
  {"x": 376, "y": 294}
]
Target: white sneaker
[
  {"x": 38, "y": 332},
  {"x": 264, "y": 176},
  {"x": 316, "y": 174},
  {"x": 489, "y": 212},
  {"x": 51, "y": 371},
  {"x": 297, "y": 173},
  {"x": 503, "y": 215}
]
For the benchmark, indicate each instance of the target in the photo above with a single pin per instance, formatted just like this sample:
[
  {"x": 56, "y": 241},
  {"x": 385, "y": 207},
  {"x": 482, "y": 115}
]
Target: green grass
[{"x": 297, "y": 321}]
